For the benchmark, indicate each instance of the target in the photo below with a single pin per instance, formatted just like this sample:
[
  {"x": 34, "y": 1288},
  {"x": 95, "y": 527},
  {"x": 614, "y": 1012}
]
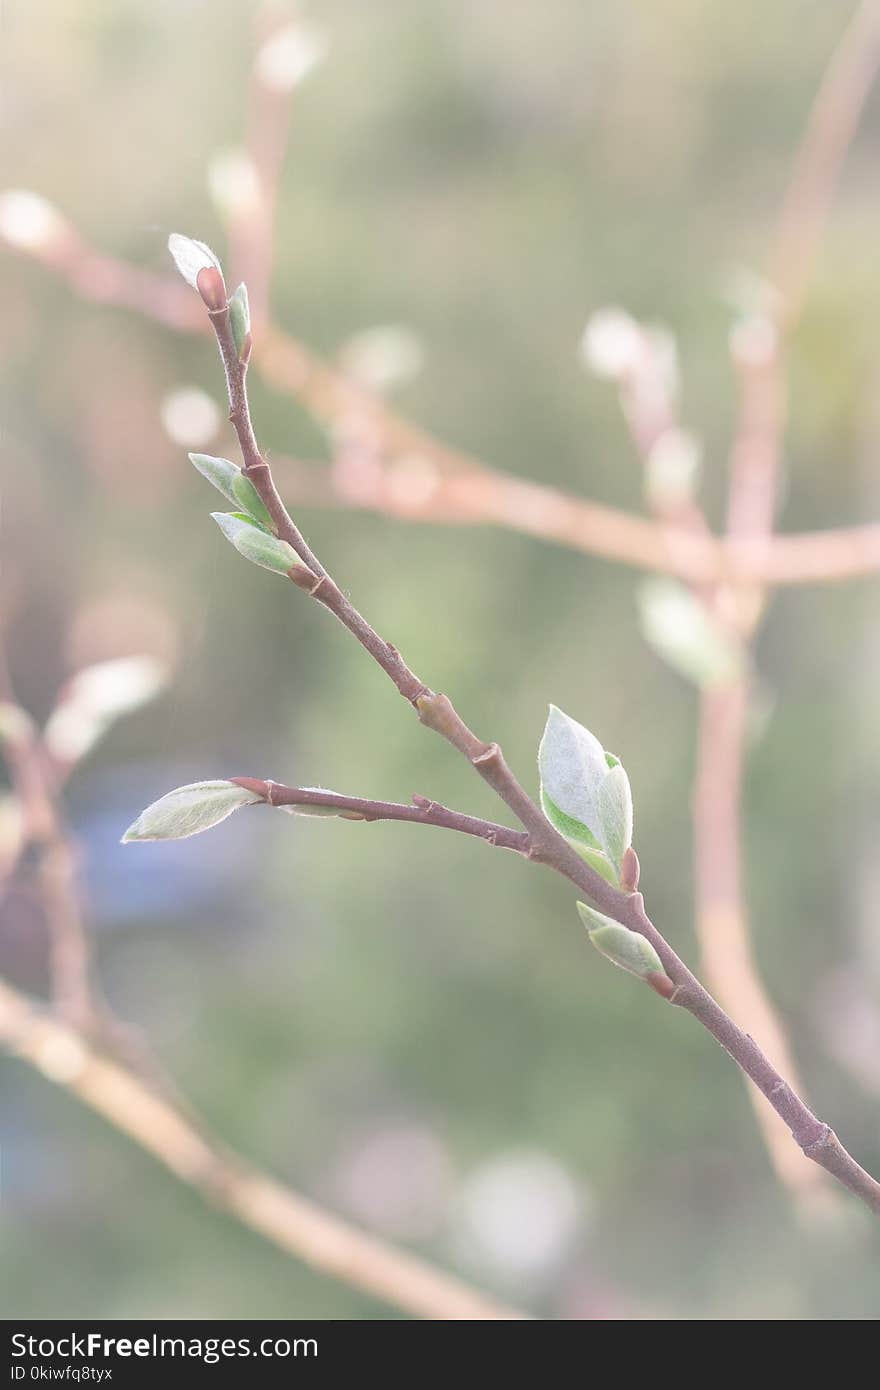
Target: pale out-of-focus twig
[
  {"x": 246, "y": 183},
  {"x": 758, "y": 351},
  {"x": 293, "y": 1224},
  {"x": 426, "y": 480},
  {"x": 721, "y": 917},
  {"x": 831, "y": 126},
  {"x": 669, "y": 461},
  {"x": 56, "y": 860}
]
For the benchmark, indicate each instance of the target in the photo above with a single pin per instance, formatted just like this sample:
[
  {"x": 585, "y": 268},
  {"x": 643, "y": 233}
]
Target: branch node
[
  {"x": 250, "y": 469},
  {"x": 826, "y": 1140},
  {"x": 491, "y": 753}
]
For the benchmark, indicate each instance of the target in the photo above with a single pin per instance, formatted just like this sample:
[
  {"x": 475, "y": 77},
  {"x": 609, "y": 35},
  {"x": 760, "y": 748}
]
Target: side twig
[{"x": 422, "y": 812}]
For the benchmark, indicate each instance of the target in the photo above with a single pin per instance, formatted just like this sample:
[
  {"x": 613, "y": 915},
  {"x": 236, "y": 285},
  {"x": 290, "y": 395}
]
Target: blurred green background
[{"x": 400, "y": 1023}]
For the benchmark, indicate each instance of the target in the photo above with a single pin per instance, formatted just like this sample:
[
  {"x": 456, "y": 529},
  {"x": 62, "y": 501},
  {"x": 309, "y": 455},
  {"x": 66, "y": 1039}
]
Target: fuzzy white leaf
[
  {"x": 191, "y": 256},
  {"x": 189, "y": 810},
  {"x": 572, "y": 764}
]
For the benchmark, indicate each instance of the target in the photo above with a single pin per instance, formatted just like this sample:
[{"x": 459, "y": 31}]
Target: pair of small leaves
[
  {"x": 201, "y": 805},
  {"x": 585, "y": 794},
  {"x": 251, "y": 529},
  {"x": 228, "y": 478}
]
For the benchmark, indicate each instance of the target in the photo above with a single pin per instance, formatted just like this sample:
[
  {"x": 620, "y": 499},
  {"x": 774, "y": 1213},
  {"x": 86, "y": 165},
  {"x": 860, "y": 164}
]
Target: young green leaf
[
  {"x": 255, "y": 544},
  {"x": 247, "y": 497},
  {"x": 598, "y": 861},
  {"x": 219, "y": 472},
  {"x": 615, "y": 810},
  {"x": 627, "y": 949},
  {"x": 240, "y": 318},
  {"x": 191, "y": 257},
  {"x": 189, "y": 810}
]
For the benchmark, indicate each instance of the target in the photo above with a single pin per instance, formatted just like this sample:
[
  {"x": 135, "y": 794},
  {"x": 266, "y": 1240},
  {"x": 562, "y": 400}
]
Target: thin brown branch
[
  {"x": 436, "y": 711},
  {"x": 422, "y": 812},
  {"x": 284, "y": 1218}
]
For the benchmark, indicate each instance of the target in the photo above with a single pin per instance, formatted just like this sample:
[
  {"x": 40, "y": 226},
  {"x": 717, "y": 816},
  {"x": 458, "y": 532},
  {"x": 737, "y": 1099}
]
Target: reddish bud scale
[
  {"x": 629, "y": 871},
  {"x": 660, "y": 984},
  {"x": 211, "y": 287}
]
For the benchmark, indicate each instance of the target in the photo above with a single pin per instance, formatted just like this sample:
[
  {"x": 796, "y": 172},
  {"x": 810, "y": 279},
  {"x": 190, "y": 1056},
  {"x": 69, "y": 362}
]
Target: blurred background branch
[{"x": 296, "y": 1226}]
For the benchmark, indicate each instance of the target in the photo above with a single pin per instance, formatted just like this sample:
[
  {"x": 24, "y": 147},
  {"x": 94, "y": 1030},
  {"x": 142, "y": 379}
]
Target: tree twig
[
  {"x": 437, "y": 712},
  {"x": 423, "y": 811}
]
